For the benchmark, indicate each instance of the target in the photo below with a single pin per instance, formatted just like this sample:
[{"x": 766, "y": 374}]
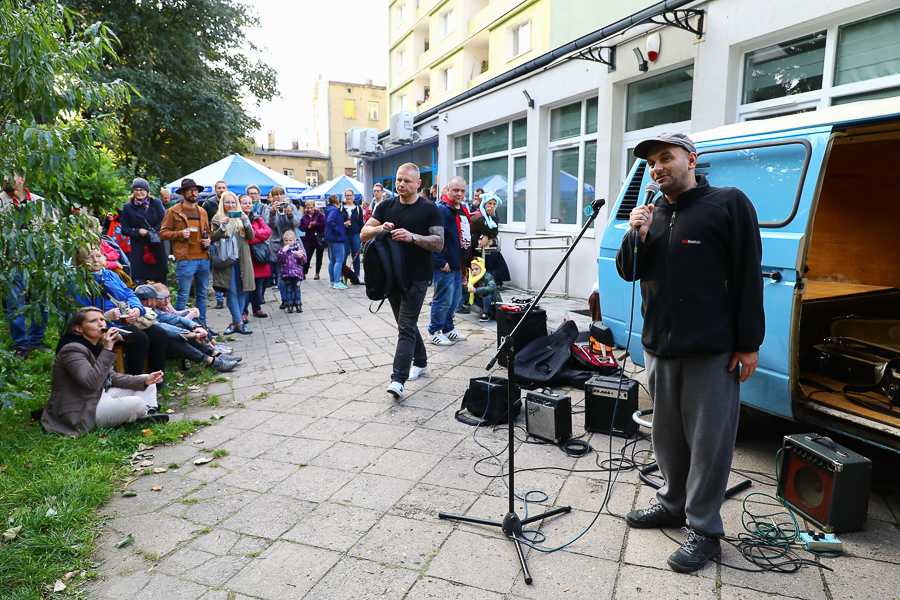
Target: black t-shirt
[{"x": 416, "y": 218}]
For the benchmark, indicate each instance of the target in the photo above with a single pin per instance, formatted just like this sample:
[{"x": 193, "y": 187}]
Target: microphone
[{"x": 650, "y": 190}]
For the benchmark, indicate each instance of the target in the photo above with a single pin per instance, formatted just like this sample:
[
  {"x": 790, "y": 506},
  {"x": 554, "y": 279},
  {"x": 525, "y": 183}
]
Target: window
[
  {"x": 447, "y": 79},
  {"x": 349, "y": 109},
  {"x": 521, "y": 39},
  {"x": 573, "y": 162},
  {"x": 312, "y": 178},
  {"x": 288, "y": 173},
  {"x": 399, "y": 61},
  {"x": 401, "y": 102},
  {"x": 490, "y": 158},
  {"x": 659, "y": 100},
  {"x": 373, "y": 111},
  {"x": 350, "y": 172},
  {"x": 445, "y": 23},
  {"x": 842, "y": 63},
  {"x": 401, "y": 13}
]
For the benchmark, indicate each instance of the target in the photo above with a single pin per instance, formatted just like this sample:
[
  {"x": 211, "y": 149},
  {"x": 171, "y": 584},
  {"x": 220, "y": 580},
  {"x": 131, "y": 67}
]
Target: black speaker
[
  {"x": 600, "y": 402},
  {"x": 535, "y": 327},
  {"x": 548, "y": 416},
  {"x": 825, "y": 482}
]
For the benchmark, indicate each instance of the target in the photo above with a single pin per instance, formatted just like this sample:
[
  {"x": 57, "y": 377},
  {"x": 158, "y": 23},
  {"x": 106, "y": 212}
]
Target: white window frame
[
  {"x": 369, "y": 106},
  {"x": 312, "y": 178},
  {"x": 515, "y": 41},
  {"x": 579, "y": 142},
  {"x": 401, "y": 14},
  {"x": 820, "y": 98},
  {"x": 288, "y": 174},
  {"x": 511, "y": 154},
  {"x": 445, "y": 24},
  {"x": 447, "y": 79},
  {"x": 401, "y": 102},
  {"x": 400, "y": 60}
]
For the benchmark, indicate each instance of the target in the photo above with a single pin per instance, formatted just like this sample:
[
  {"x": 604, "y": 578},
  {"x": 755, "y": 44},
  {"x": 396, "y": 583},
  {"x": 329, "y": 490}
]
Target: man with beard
[{"x": 450, "y": 264}]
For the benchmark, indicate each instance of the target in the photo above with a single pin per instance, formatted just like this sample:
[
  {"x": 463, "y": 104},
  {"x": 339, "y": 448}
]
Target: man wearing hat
[
  {"x": 698, "y": 259},
  {"x": 186, "y": 338},
  {"x": 186, "y": 225}
]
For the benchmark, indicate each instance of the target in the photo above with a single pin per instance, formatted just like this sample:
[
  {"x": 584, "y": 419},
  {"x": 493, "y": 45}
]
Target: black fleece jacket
[{"x": 700, "y": 273}]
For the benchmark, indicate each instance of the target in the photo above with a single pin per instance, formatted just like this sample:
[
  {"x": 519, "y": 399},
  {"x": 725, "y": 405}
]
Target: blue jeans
[
  {"x": 235, "y": 296},
  {"x": 353, "y": 250},
  {"x": 291, "y": 295},
  {"x": 198, "y": 271},
  {"x": 220, "y": 297},
  {"x": 447, "y": 293},
  {"x": 34, "y": 334},
  {"x": 256, "y": 296},
  {"x": 337, "y": 252},
  {"x": 276, "y": 276}
]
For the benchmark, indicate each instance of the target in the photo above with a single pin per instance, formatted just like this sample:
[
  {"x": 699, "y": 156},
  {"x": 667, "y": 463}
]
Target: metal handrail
[{"x": 529, "y": 247}]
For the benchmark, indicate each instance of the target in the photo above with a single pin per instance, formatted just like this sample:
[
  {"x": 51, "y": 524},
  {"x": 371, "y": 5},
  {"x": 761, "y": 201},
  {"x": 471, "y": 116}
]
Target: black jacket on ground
[{"x": 700, "y": 273}]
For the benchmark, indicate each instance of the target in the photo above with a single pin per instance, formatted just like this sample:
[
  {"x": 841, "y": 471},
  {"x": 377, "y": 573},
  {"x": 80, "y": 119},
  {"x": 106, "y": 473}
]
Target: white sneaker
[
  {"x": 453, "y": 336},
  {"x": 415, "y": 372},
  {"x": 395, "y": 389},
  {"x": 439, "y": 339}
]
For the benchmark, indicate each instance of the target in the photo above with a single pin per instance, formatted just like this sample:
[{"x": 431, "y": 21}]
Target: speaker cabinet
[
  {"x": 548, "y": 416},
  {"x": 600, "y": 403},
  {"x": 825, "y": 482},
  {"x": 535, "y": 327}
]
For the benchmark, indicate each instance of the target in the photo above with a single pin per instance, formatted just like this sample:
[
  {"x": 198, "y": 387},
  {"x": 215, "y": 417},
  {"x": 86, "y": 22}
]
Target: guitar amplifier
[
  {"x": 826, "y": 483},
  {"x": 548, "y": 416},
  {"x": 535, "y": 326},
  {"x": 600, "y": 403}
]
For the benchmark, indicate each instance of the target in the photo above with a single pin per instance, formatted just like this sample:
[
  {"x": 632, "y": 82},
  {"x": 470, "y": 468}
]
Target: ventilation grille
[{"x": 630, "y": 200}]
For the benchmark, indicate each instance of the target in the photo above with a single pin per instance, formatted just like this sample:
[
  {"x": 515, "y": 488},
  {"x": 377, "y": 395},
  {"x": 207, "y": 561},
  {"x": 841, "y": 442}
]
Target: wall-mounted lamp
[
  {"x": 642, "y": 62},
  {"x": 446, "y": 116},
  {"x": 527, "y": 97}
]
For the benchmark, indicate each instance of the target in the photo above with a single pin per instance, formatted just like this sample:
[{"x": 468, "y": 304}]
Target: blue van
[{"x": 825, "y": 188}]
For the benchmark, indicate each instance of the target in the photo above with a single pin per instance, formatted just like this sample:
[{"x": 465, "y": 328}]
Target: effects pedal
[{"x": 820, "y": 542}]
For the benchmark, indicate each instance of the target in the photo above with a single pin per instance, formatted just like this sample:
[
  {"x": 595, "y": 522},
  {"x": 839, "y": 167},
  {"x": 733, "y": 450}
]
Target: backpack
[
  {"x": 385, "y": 269},
  {"x": 224, "y": 252}
]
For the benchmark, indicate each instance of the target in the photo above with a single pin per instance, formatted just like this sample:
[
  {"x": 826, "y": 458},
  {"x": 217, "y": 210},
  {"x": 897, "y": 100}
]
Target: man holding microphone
[{"x": 698, "y": 259}]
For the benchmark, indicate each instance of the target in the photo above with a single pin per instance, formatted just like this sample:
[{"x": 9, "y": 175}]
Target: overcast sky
[{"x": 344, "y": 40}]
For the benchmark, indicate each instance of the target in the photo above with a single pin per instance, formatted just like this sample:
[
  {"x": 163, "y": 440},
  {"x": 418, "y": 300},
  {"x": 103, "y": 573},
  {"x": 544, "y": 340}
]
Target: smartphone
[{"x": 235, "y": 214}]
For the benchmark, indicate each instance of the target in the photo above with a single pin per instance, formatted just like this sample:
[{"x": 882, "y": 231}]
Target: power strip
[{"x": 820, "y": 542}]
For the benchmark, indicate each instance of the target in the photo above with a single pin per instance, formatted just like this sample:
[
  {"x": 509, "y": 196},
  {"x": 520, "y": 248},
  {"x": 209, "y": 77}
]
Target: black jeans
[
  {"x": 310, "y": 250},
  {"x": 410, "y": 347},
  {"x": 146, "y": 344},
  {"x": 194, "y": 352}
]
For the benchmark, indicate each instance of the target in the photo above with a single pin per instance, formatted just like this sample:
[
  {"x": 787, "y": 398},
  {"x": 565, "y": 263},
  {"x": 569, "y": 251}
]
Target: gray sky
[{"x": 344, "y": 40}]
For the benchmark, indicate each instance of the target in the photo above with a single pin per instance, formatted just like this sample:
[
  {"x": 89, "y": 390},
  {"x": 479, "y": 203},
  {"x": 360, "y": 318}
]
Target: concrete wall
[
  {"x": 571, "y": 19},
  {"x": 298, "y": 164},
  {"x": 331, "y": 125}
]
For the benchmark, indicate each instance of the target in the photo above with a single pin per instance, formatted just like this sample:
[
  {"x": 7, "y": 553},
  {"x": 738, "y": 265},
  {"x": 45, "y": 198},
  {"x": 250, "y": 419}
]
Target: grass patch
[
  {"x": 74, "y": 477},
  {"x": 220, "y": 453},
  {"x": 212, "y": 401},
  {"x": 260, "y": 395},
  {"x": 173, "y": 465}
]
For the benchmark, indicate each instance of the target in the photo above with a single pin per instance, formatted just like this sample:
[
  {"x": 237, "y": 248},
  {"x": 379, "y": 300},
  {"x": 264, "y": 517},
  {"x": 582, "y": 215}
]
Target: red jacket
[{"x": 263, "y": 233}]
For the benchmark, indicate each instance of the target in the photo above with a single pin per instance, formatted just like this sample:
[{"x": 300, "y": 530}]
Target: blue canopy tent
[
  {"x": 337, "y": 186},
  {"x": 239, "y": 172}
]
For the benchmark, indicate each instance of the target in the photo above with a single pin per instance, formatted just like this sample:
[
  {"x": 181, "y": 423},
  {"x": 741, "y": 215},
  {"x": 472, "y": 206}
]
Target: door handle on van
[{"x": 775, "y": 276}]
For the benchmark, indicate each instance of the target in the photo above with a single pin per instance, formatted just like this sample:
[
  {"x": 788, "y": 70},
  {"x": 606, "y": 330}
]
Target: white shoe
[
  {"x": 395, "y": 389},
  {"x": 439, "y": 339},
  {"x": 415, "y": 372},
  {"x": 453, "y": 336}
]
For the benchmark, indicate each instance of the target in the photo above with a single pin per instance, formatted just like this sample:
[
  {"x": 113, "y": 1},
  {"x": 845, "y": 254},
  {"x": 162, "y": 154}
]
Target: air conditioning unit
[
  {"x": 402, "y": 126},
  {"x": 354, "y": 137},
  {"x": 362, "y": 140}
]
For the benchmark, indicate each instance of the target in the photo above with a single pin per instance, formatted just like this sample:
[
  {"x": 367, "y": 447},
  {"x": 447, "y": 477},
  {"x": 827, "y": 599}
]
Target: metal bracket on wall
[
  {"x": 681, "y": 19},
  {"x": 596, "y": 54}
]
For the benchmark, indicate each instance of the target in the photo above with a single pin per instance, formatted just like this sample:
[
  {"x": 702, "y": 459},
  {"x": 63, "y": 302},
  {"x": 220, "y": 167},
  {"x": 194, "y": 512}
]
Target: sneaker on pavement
[
  {"x": 655, "y": 516},
  {"x": 695, "y": 552},
  {"x": 415, "y": 372},
  {"x": 455, "y": 336},
  {"x": 229, "y": 330},
  {"x": 259, "y": 314},
  {"x": 340, "y": 286},
  {"x": 220, "y": 304},
  {"x": 242, "y": 328},
  {"x": 222, "y": 365},
  {"x": 484, "y": 319},
  {"x": 439, "y": 339},
  {"x": 395, "y": 389},
  {"x": 463, "y": 310}
]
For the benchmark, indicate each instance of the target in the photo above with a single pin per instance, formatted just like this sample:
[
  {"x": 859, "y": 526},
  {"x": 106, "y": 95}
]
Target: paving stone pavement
[{"x": 331, "y": 489}]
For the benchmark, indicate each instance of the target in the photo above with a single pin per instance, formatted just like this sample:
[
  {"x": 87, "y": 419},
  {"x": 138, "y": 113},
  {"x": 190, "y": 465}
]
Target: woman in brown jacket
[{"x": 85, "y": 390}]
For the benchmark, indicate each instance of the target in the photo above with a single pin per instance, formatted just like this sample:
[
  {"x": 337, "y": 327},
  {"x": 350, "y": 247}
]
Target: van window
[{"x": 771, "y": 174}]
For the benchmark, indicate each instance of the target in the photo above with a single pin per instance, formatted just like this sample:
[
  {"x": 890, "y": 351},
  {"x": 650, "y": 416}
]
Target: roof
[
  {"x": 260, "y": 151},
  {"x": 845, "y": 113}
]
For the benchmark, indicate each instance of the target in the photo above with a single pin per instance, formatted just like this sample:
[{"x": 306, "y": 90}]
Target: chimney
[
  {"x": 295, "y": 144},
  {"x": 368, "y": 82},
  {"x": 271, "y": 139}
]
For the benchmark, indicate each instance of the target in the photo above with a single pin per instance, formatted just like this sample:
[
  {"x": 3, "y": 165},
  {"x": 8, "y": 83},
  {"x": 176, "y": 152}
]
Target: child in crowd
[
  {"x": 484, "y": 290},
  {"x": 292, "y": 257}
]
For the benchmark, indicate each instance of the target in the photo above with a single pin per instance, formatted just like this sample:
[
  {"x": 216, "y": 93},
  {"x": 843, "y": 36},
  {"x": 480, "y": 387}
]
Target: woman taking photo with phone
[
  {"x": 236, "y": 279},
  {"x": 85, "y": 390}
]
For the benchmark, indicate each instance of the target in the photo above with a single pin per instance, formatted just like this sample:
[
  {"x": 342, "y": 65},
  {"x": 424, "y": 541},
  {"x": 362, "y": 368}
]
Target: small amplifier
[
  {"x": 548, "y": 416},
  {"x": 826, "y": 483},
  {"x": 600, "y": 403}
]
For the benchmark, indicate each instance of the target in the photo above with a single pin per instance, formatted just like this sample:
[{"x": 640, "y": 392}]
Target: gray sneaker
[
  {"x": 695, "y": 552},
  {"x": 655, "y": 516}
]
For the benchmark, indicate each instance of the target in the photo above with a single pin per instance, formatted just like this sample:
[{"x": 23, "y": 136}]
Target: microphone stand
[{"x": 512, "y": 524}]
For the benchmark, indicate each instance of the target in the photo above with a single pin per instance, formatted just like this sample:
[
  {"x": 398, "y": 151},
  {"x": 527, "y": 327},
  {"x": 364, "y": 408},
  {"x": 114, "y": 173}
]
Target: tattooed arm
[{"x": 434, "y": 241}]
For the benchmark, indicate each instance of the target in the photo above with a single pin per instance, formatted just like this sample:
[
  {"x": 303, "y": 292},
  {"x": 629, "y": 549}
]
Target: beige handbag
[{"x": 144, "y": 321}]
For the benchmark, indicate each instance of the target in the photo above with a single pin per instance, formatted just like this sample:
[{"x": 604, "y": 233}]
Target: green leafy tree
[
  {"x": 187, "y": 60},
  {"x": 44, "y": 60}
]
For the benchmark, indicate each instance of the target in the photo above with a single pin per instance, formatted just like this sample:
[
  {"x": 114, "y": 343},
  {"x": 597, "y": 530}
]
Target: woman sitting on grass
[{"x": 85, "y": 389}]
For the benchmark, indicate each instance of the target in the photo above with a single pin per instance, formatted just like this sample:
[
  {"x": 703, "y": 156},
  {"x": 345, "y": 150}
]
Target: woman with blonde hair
[{"x": 236, "y": 279}]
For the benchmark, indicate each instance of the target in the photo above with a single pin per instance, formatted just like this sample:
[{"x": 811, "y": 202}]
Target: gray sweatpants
[{"x": 696, "y": 405}]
